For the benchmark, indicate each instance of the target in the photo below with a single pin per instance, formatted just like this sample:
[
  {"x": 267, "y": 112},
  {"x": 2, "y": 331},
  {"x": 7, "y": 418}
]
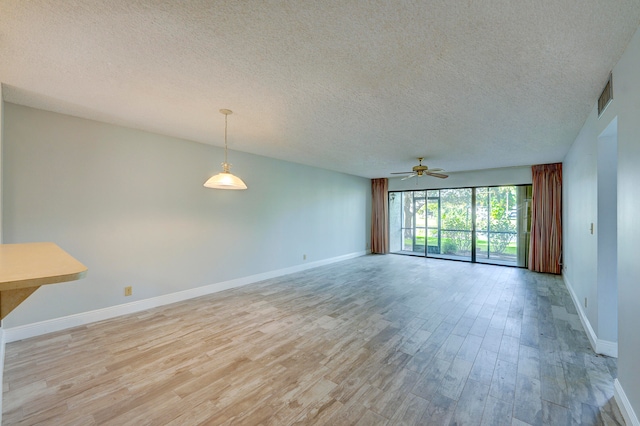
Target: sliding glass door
[
  {"x": 407, "y": 222},
  {"x": 486, "y": 224},
  {"x": 496, "y": 225},
  {"x": 450, "y": 224}
]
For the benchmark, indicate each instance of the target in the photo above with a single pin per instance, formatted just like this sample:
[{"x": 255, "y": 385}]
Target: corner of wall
[
  {"x": 599, "y": 346},
  {"x": 626, "y": 409}
]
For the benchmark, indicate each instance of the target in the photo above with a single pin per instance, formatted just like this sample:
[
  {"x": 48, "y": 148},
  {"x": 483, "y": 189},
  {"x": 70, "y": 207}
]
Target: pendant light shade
[{"x": 225, "y": 179}]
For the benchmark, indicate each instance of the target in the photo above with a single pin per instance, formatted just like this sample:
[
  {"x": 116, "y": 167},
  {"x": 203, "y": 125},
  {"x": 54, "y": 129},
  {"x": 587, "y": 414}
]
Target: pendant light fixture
[{"x": 225, "y": 180}]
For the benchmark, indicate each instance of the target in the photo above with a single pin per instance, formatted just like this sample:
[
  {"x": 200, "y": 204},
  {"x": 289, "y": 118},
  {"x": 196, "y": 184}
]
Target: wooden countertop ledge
[{"x": 25, "y": 267}]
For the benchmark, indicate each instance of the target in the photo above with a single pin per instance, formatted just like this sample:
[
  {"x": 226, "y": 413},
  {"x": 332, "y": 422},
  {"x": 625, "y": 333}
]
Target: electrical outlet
[
  {"x": 128, "y": 291},
  {"x": 585, "y": 302}
]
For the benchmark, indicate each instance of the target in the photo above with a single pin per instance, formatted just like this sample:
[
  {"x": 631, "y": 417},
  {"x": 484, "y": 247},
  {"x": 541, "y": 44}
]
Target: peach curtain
[
  {"x": 379, "y": 216},
  {"x": 545, "y": 249}
]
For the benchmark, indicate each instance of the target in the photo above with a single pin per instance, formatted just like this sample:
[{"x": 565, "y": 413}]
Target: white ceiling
[{"x": 361, "y": 87}]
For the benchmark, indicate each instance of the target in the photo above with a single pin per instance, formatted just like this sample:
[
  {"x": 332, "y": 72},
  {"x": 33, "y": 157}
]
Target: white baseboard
[
  {"x": 600, "y": 346},
  {"x": 37, "y": 329},
  {"x": 626, "y": 409},
  {"x": 607, "y": 347}
]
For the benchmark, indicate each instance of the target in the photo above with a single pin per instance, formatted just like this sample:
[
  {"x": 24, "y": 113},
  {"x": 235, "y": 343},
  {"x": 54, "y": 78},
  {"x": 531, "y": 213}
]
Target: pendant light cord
[{"x": 225, "y": 139}]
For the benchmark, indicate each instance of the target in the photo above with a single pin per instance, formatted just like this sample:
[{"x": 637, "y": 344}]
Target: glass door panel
[
  {"x": 482, "y": 224},
  {"x": 408, "y": 234},
  {"x": 433, "y": 223},
  {"x": 503, "y": 234},
  {"x": 395, "y": 222},
  {"x": 407, "y": 222},
  {"x": 420, "y": 221},
  {"x": 454, "y": 230},
  {"x": 524, "y": 194},
  {"x": 497, "y": 225}
]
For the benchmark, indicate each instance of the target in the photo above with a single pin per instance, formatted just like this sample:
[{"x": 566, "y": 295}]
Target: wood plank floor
[{"x": 377, "y": 340}]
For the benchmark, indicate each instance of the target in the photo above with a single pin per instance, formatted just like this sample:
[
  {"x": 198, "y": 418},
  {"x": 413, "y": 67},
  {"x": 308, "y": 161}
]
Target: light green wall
[{"x": 131, "y": 206}]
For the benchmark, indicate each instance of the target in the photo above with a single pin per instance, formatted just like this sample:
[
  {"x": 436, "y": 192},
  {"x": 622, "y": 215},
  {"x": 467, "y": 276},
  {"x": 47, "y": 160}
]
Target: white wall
[
  {"x": 579, "y": 211},
  {"x": 590, "y": 257},
  {"x": 581, "y": 208},
  {"x": 489, "y": 177},
  {"x": 607, "y": 233},
  {"x": 626, "y": 105},
  {"x": 130, "y": 205}
]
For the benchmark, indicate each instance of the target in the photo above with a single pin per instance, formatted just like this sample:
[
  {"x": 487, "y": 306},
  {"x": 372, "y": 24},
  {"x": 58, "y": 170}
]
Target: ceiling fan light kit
[
  {"x": 225, "y": 179},
  {"x": 421, "y": 170}
]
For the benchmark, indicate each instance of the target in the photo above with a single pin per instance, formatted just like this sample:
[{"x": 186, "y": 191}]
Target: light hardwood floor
[{"x": 377, "y": 340}]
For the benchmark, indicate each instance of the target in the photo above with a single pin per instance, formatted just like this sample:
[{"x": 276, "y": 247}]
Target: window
[{"x": 486, "y": 224}]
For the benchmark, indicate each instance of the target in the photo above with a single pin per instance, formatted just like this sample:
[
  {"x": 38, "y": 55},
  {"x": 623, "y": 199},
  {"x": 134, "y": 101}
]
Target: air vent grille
[{"x": 606, "y": 96}]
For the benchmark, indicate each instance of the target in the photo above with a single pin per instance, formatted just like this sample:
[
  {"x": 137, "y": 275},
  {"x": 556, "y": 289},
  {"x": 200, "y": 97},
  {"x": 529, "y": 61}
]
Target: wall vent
[{"x": 606, "y": 96}]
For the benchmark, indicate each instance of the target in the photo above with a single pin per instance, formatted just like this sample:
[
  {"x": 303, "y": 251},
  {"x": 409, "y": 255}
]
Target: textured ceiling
[{"x": 361, "y": 87}]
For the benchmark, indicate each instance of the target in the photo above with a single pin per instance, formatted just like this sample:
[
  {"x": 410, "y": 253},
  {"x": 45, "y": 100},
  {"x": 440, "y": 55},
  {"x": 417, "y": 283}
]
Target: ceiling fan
[{"x": 420, "y": 170}]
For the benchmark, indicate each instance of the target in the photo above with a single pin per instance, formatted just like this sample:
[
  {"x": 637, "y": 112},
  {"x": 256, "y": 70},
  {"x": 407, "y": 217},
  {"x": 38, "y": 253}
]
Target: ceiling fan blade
[
  {"x": 408, "y": 177},
  {"x": 438, "y": 175},
  {"x": 400, "y": 173},
  {"x": 435, "y": 170}
]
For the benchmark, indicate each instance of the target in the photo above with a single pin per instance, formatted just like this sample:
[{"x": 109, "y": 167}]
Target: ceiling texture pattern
[{"x": 360, "y": 87}]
